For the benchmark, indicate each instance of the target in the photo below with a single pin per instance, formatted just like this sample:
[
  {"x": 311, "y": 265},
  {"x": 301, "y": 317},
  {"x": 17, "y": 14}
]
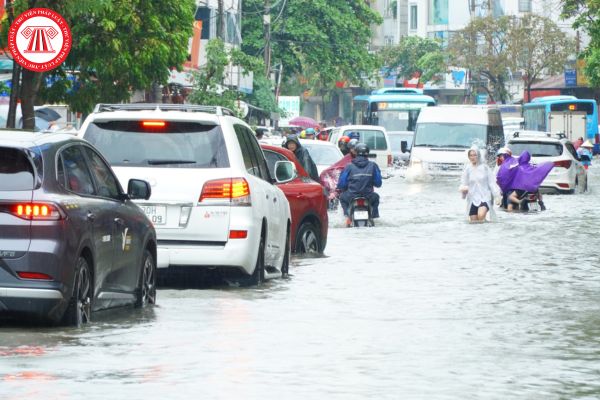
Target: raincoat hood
[
  {"x": 360, "y": 161},
  {"x": 477, "y": 151},
  {"x": 292, "y": 138}
]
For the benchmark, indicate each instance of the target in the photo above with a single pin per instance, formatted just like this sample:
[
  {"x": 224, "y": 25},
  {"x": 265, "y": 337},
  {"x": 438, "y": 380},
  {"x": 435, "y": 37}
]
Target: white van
[
  {"x": 380, "y": 149},
  {"x": 444, "y": 134}
]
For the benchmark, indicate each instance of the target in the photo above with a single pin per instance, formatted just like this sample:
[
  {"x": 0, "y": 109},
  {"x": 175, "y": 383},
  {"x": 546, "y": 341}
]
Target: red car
[{"x": 308, "y": 204}]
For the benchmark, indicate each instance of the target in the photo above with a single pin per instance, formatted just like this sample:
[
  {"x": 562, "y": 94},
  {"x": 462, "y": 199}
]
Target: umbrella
[
  {"x": 305, "y": 122},
  {"x": 47, "y": 113}
]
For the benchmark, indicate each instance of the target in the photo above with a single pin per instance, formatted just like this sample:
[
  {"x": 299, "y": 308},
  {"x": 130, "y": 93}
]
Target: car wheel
[
  {"x": 258, "y": 276},
  {"x": 285, "y": 265},
  {"x": 146, "y": 292},
  {"x": 308, "y": 239},
  {"x": 79, "y": 309}
]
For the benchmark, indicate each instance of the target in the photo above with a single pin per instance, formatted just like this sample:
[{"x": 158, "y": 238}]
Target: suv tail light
[
  {"x": 390, "y": 160},
  {"x": 564, "y": 163},
  {"x": 34, "y": 211},
  {"x": 235, "y": 190}
]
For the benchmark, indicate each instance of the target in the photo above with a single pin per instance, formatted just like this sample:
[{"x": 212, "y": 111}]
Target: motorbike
[
  {"x": 530, "y": 202},
  {"x": 360, "y": 212}
]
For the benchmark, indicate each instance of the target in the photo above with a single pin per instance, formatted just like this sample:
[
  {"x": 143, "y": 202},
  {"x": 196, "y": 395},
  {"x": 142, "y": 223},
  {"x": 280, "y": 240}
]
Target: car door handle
[{"x": 91, "y": 216}]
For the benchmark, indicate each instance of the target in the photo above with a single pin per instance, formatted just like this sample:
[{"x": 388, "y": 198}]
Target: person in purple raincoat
[{"x": 519, "y": 179}]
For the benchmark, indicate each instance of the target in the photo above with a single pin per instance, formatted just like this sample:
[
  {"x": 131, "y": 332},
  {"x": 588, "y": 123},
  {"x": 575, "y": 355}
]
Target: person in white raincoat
[{"x": 478, "y": 186}]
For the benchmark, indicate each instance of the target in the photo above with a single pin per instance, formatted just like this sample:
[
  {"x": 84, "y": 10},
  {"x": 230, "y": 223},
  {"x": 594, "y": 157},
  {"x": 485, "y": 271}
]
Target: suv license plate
[
  {"x": 156, "y": 214},
  {"x": 360, "y": 215}
]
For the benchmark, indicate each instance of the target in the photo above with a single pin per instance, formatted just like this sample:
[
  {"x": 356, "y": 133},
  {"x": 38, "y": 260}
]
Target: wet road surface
[{"x": 424, "y": 305}]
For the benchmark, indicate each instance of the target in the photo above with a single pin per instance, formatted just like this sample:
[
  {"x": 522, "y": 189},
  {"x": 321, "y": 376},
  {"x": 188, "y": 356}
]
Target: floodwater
[{"x": 423, "y": 306}]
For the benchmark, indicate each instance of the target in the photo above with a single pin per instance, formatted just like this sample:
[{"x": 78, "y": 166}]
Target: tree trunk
[
  {"x": 14, "y": 96},
  {"x": 29, "y": 88}
]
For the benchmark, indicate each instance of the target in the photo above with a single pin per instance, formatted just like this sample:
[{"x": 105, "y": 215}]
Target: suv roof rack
[
  {"x": 218, "y": 110},
  {"x": 529, "y": 133}
]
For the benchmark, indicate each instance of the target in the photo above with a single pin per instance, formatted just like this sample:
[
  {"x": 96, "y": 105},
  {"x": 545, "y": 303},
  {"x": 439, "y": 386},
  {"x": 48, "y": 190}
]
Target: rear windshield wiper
[
  {"x": 426, "y": 145},
  {"x": 456, "y": 146},
  {"x": 162, "y": 162}
]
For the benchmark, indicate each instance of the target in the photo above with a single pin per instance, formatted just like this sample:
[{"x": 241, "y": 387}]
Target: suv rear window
[
  {"x": 174, "y": 144},
  {"x": 537, "y": 149},
  {"x": 16, "y": 170},
  {"x": 374, "y": 139}
]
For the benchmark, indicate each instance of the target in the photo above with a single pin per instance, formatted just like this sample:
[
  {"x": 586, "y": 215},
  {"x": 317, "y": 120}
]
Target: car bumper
[
  {"x": 558, "y": 181},
  {"x": 235, "y": 253},
  {"x": 45, "y": 299}
]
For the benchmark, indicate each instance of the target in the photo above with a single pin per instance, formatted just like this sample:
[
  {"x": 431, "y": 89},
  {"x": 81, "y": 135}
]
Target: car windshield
[
  {"x": 398, "y": 120},
  {"x": 16, "y": 171},
  {"x": 323, "y": 155},
  {"x": 174, "y": 145},
  {"x": 537, "y": 149},
  {"x": 450, "y": 135}
]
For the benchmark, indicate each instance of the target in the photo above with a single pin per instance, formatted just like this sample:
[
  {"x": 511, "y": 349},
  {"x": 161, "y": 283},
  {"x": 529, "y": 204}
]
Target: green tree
[
  {"x": 208, "y": 81},
  {"x": 538, "y": 46},
  {"x": 586, "y": 14},
  {"x": 329, "y": 38},
  {"x": 118, "y": 46},
  {"x": 415, "y": 55},
  {"x": 482, "y": 47},
  {"x": 209, "y": 87}
]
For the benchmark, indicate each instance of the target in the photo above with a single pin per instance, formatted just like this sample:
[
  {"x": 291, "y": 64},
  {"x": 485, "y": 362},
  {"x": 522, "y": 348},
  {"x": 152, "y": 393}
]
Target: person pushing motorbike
[{"x": 358, "y": 179}]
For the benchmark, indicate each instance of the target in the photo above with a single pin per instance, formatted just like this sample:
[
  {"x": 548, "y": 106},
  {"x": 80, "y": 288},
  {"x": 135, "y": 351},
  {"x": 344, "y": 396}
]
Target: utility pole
[
  {"x": 267, "y": 32},
  {"x": 220, "y": 22}
]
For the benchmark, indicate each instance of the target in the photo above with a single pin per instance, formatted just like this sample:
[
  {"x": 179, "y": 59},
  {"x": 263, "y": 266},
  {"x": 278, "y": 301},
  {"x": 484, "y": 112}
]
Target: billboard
[{"x": 291, "y": 105}]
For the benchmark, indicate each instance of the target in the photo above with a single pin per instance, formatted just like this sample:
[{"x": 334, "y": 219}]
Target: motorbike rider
[
  {"x": 343, "y": 144},
  {"x": 358, "y": 179},
  {"x": 514, "y": 199},
  {"x": 292, "y": 143}
]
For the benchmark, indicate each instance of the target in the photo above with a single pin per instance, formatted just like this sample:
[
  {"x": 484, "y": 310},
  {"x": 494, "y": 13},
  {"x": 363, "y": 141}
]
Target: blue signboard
[
  {"x": 482, "y": 99},
  {"x": 570, "y": 77}
]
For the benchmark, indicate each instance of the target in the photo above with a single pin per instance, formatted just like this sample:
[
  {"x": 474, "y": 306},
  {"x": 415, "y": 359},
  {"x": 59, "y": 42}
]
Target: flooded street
[{"x": 424, "y": 305}]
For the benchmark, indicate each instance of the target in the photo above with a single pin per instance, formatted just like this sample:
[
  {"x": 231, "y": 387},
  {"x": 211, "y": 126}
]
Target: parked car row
[{"x": 206, "y": 194}]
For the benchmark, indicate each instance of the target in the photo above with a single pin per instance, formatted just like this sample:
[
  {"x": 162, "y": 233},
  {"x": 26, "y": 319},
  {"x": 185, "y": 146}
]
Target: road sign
[{"x": 570, "y": 77}]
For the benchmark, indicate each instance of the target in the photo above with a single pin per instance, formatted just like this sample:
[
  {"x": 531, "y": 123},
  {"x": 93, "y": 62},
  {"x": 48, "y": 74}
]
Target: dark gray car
[{"x": 71, "y": 241}]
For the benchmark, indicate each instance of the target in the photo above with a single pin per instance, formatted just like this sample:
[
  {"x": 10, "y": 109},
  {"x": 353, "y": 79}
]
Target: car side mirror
[
  {"x": 285, "y": 171},
  {"x": 138, "y": 189},
  {"x": 404, "y": 146}
]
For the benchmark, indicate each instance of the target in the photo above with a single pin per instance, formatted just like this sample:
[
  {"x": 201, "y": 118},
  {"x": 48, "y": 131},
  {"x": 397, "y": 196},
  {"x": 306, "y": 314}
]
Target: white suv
[
  {"x": 568, "y": 174},
  {"x": 213, "y": 200}
]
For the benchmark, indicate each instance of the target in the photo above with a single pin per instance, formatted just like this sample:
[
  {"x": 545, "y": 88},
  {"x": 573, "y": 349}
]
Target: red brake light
[
  {"x": 34, "y": 275},
  {"x": 390, "y": 160},
  {"x": 238, "y": 234},
  {"x": 563, "y": 163},
  {"x": 36, "y": 211},
  {"x": 234, "y": 189},
  {"x": 360, "y": 202},
  {"x": 154, "y": 124}
]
